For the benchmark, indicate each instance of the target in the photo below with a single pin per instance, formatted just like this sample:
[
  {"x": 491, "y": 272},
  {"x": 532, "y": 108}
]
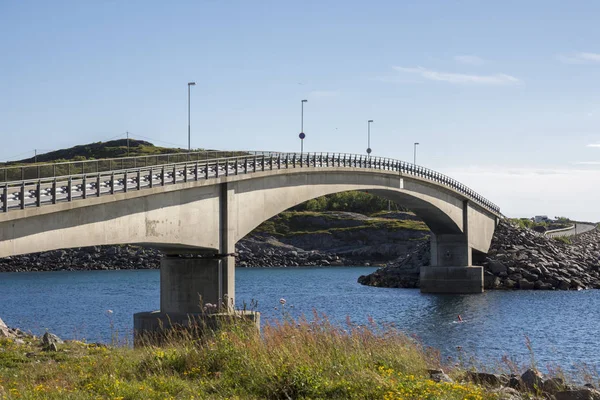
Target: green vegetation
[
  {"x": 359, "y": 202},
  {"x": 560, "y": 222},
  {"x": 563, "y": 239},
  {"x": 295, "y": 359},
  {"x": 290, "y": 223}
]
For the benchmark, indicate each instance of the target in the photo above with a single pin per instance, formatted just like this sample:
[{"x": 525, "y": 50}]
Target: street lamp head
[
  {"x": 191, "y": 83},
  {"x": 416, "y": 143},
  {"x": 370, "y": 120},
  {"x": 304, "y": 101}
]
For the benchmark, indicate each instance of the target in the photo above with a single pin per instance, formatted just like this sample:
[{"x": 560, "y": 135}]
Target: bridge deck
[{"x": 50, "y": 185}]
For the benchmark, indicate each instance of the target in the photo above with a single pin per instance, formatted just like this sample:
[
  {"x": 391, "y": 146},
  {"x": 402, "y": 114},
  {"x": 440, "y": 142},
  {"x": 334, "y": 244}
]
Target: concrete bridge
[{"x": 196, "y": 206}]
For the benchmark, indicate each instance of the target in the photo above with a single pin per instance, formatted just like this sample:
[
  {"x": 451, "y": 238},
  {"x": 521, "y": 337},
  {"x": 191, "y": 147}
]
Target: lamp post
[
  {"x": 190, "y": 84},
  {"x": 369, "y": 137},
  {"x": 415, "y": 154},
  {"x": 302, "y": 135}
]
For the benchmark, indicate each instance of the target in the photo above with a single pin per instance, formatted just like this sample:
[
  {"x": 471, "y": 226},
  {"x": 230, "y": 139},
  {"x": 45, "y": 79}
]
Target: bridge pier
[
  {"x": 450, "y": 270},
  {"x": 191, "y": 296}
]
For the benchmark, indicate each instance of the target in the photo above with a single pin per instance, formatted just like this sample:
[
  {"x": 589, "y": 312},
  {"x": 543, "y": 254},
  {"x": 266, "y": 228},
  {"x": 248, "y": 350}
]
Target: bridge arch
[{"x": 265, "y": 197}]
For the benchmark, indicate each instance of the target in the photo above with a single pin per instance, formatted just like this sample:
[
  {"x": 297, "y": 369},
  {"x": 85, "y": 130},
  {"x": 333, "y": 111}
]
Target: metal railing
[{"x": 60, "y": 182}]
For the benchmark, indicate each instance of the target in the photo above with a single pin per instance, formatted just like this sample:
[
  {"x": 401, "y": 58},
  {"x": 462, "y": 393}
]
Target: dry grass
[{"x": 290, "y": 360}]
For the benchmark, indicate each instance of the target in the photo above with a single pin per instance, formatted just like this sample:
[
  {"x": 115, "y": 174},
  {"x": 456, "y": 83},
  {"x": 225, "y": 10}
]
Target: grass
[
  {"x": 289, "y": 223},
  {"x": 289, "y": 360},
  {"x": 563, "y": 239}
]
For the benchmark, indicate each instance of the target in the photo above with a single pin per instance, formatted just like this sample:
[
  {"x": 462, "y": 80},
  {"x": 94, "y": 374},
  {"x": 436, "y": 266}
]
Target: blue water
[{"x": 562, "y": 326}]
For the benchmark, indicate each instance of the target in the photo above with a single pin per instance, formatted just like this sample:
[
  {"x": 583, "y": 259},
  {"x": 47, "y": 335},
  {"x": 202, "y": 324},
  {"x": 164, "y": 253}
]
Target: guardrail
[{"x": 100, "y": 177}]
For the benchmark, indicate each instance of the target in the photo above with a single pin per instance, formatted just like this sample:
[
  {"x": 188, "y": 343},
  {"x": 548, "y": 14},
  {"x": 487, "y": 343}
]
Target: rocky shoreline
[
  {"x": 518, "y": 259},
  {"x": 252, "y": 252}
]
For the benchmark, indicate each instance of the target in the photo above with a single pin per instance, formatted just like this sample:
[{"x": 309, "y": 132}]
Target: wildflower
[
  {"x": 109, "y": 311},
  {"x": 282, "y": 301}
]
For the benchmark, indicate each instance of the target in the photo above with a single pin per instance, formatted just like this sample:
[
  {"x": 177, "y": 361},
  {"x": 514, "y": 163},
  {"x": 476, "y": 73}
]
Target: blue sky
[{"x": 504, "y": 96}]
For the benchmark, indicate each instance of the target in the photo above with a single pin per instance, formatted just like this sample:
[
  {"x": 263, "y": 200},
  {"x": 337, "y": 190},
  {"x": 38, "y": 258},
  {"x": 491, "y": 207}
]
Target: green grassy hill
[{"x": 99, "y": 150}]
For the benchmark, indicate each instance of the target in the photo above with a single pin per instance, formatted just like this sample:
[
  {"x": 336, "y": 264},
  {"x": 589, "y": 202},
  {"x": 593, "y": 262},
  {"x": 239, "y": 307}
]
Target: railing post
[
  {"x": 22, "y": 196},
  {"x": 278, "y": 161},
  {"x": 53, "y": 194},
  {"x": 150, "y": 178},
  {"x": 112, "y": 183},
  {"x": 38, "y": 194},
  {"x": 246, "y": 165},
  {"x": 287, "y": 161},
  {"x": 226, "y": 167},
  {"x": 185, "y": 173},
  {"x": 98, "y": 189},
  {"x": 83, "y": 187},
  {"x": 125, "y": 182},
  {"x": 263, "y": 162},
  {"x": 217, "y": 168},
  {"x": 254, "y": 168},
  {"x": 69, "y": 189},
  {"x": 138, "y": 179},
  {"x": 174, "y": 174},
  {"x": 196, "y": 171},
  {"x": 206, "y": 168},
  {"x": 162, "y": 175},
  {"x": 301, "y": 160},
  {"x": 5, "y": 198},
  {"x": 236, "y": 165}
]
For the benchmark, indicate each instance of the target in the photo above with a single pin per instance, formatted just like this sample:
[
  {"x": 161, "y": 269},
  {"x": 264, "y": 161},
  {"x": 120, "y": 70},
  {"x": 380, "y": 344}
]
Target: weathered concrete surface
[
  {"x": 150, "y": 327},
  {"x": 188, "y": 284},
  {"x": 452, "y": 279}
]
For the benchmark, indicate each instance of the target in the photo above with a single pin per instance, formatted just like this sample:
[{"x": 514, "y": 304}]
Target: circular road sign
[{"x": 301, "y": 135}]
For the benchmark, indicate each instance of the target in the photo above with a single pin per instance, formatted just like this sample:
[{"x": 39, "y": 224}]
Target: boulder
[
  {"x": 578, "y": 394},
  {"x": 553, "y": 385},
  {"x": 483, "y": 378},
  {"x": 438, "y": 375},
  {"x": 507, "y": 393},
  {"x": 532, "y": 379},
  {"x": 496, "y": 267},
  {"x": 524, "y": 284},
  {"x": 4, "y": 332},
  {"x": 50, "y": 338}
]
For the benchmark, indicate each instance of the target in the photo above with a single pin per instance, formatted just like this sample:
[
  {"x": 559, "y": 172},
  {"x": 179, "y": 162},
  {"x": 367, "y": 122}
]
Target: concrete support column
[
  {"x": 450, "y": 250},
  {"x": 186, "y": 284},
  {"x": 228, "y": 218}
]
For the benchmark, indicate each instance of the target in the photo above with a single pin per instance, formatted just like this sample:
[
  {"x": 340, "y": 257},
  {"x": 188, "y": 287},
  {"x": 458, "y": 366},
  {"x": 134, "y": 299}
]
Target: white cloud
[
  {"x": 594, "y": 145},
  {"x": 469, "y": 60},
  {"x": 324, "y": 93},
  {"x": 587, "y": 163},
  {"x": 497, "y": 79},
  {"x": 580, "y": 58}
]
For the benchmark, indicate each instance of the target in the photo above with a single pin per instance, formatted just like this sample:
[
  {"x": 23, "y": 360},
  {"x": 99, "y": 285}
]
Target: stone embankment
[
  {"x": 518, "y": 259},
  {"x": 255, "y": 252},
  {"x": 532, "y": 384}
]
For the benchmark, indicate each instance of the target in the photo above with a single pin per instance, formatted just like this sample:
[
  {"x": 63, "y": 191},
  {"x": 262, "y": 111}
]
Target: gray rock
[
  {"x": 497, "y": 267},
  {"x": 553, "y": 385},
  {"x": 483, "y": 378},
  {"x": 524, "y": 284},
  {"x": 579, "y": 394},
  {"x": 51, "y": 338},
  {"x": 532, "y": 379},
  {"x": 438, "y": 375}
]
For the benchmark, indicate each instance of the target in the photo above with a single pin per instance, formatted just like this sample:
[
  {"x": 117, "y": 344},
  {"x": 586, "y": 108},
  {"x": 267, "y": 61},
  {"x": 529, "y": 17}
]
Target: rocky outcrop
[
  {"x": 11, "y": 333},
  {"x": 518, "y": 259}
]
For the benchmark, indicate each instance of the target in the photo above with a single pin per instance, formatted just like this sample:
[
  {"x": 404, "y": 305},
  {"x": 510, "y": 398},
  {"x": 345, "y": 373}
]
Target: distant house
[{"x": 541, "y": 218}]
